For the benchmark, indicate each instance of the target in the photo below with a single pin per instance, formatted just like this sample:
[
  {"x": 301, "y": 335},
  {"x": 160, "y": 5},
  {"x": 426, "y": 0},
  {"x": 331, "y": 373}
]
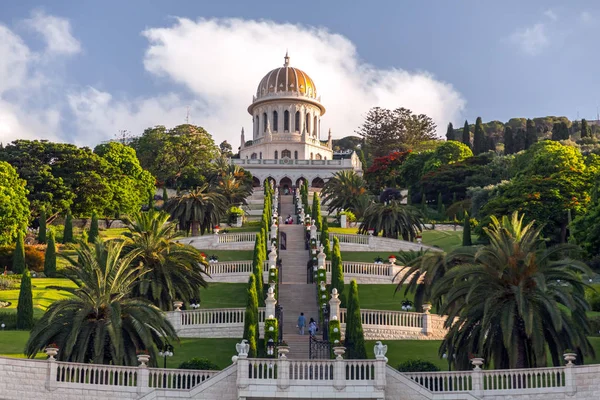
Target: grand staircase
[{"x": 295, "y": 295}]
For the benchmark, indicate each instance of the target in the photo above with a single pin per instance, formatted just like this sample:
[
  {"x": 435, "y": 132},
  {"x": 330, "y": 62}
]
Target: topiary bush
[
  {"x": 335, "y": 332},
  {"x": 199, "y": 364},
  {"x": 417, "y": 366},
  {"x": 271, "y": 332},
  {"x": 233, "y": 213},
  {"x": 25, "y": 305}
]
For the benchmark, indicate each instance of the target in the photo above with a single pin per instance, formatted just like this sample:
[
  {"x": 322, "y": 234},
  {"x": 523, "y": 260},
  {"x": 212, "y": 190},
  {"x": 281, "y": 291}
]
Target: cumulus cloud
[
  {"x": 551, "y": 15},
  {"x": 586, "y": 17},
  {"x": 531, "y": 40},
  {"x": 56, "y": 32}
]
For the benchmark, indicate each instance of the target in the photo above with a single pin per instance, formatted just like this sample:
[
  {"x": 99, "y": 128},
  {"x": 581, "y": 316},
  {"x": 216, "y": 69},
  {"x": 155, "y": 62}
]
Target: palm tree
[
  {"x": 345, "y": 190},
  {"x": 393, "y": 219},
  {"x": 514, "y": 300},
  {"x": 419, "y": 273},
  {"x": 198, "y": 209},
  {"x": 233, "y": 189},
  {"x": 101, "y": 323},
  {"x": 175, "y": 271}
]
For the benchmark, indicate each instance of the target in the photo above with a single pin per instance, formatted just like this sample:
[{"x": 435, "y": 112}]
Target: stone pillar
[
  {"x": 241, "y": 359},
  {"x": 143, "y": 378},
  {"x": 272, "y": 259},
  {"x": 343, "y": 223},
  {"x": 283, "y": 373},
  {"x": 273, "y": 231},
  {"x": 380, "y": 364},
  {"x": 427, "y": 320},
  {"x": 570, "y": 378},
  {"x": 313, "y": 231},
  {"x": 339, "y": 373},
  {"x": 321, "y": 259},
  {"x": 53, "y": 367},
  {"x": 477, "y": 381},
  {"x": 334, "y": 305},
  {"x": 270, "y": 302}
]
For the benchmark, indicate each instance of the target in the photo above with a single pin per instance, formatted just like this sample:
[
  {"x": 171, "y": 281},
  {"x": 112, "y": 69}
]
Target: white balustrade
[
  {"x": 229, "y": 267},
  {"x": 388, "y": 318},
  {"x": 213, "y": 316},
  {"x": 183, "y": 379},
  {"x": 459, "y": 381},
  {"x": 360, "y": 370},
  {"x": 237, "y": 237},
  {"x": 534, "y": 378},
  {"x": 94, "y": 374},
  {"x": 363, "y": 268},
  {"x": 311, "y": 370},
  {"x": 262, "y": 369}
]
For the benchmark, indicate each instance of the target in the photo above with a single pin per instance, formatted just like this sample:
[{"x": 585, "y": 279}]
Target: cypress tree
[
  {"x": 251, "y": 316},
  {"x": 50, "y": 258},
  {"x": 424, "y": 203},
  {"x": 94, "y": 231},
  {"x": 519, "y": 140},
  {"x": 18, "y": 260},
  {"x": 355, "y": 337},
  {"x": 150, "y": 199},
  {"x": 479, "y": 142},
  {"x": 165, "y": 195},
  {"x": 466, "y": 241},
  {"x": 408, "y": 197},
  {"x": 337, "y": 269},
  {"x": 530, "y": 134},
  {"x": 325, "y": 239},
  {"x": 363, "y": 160},
  {"x": 450, "y": 132},
  {"x": 560, "y": 131},
  {"x": 440, "y": 203},
  {"x": 509, "y": 141},
  {"x": 316, "y": 211},
  {"x": 257, "y": 266},
  {"x": 585, "y": 129},
  {"x": 42, "y": 229},
  {"x": 25, "y": 305},
  {"x": 466, "y": 135},
  {"x": 68, "y": 232}
]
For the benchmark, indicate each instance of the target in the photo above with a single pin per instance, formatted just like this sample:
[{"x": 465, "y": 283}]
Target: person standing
[
  {"x": 301, "y": 323},
  {"x": 312, "y": 327}
]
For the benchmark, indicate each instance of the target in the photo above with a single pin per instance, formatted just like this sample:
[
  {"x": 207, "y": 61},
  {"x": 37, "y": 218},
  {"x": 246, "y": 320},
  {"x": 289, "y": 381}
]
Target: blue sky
[{"x": 80, "y": 71}]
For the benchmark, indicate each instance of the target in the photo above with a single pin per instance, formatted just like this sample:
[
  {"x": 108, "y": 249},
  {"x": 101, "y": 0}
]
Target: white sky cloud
[
  {"x": 585, "y": 16},
  {"x": 532, "y": 40},
  {"x": 56, "y": 32},
  {"x": 551, "y": 14}
]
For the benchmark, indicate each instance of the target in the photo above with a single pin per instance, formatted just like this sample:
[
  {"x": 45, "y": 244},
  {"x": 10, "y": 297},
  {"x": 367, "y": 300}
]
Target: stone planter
[
  {"x": 282, "y": 351},
  {"x": 570, "y": 357},
  {"x": 238, "y": 221},
  {"x": 427, "y": 308},
  {"x": 477, "y": 362},
  {"x": 339, "y": 352},
  {"x": 392, "y": 260},
  {"x": 178, "y": 305},
  {"x": 143, "y": 359},
  {"x": 51, "y": 352}
]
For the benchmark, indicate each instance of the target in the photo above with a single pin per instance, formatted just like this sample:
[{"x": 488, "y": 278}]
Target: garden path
[{"x": 295, "y": 294}]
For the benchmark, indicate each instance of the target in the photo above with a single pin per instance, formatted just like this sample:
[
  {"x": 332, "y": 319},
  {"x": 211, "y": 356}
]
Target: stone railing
[
  {"x": 182, "y": 379},
  {"x": 212, "y": 322},
  {"x": 294, "y": 163},
  {"x": 236, "y": 237},
  {"x": 234, "y": 271},
  {"x": 356, "y": 242},
  {"x": 366, "y": 273}
]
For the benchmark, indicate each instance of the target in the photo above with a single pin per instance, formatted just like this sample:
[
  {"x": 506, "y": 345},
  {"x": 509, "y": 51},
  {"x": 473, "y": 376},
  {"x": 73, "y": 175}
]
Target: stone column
[
  {"x": 53, "y": 367},
  {"x": 241, "y": 359},
  {"x": 270, "y": 302},
  {"x": 343, "y": 221},
  {"x": 334, "y": 305},
  {"x": 427, "y": 320},
  {"x": 143, "y": 379},
  {"x": 321, "y": 259},
  {"x": 570, "y": 378},
  {"x": 339, "y": 373},
  {"x": 313, "y": 231},
  {"x": 477, "y": 378},
  {"x": 273, "y": 231},
  {"x": 283, "y": 373},
  {"x": 380, "y": 363},
  {"x": 272, "y": 259}
]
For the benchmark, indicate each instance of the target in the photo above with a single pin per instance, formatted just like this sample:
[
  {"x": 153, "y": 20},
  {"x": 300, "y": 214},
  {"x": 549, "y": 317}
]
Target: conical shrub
[
  {"x": 50, "y": 258},
  {"x": 25, "y": 305}
]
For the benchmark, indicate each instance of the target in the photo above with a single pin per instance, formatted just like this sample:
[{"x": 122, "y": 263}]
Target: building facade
[{"x": 286, "y": 141}]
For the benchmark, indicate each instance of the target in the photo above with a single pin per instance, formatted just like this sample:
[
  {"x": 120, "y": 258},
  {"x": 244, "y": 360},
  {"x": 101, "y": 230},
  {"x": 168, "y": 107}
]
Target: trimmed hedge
[
  {"x": 199, "y": 364},
  {"x": 271, "y": 332},
  {"x": 417, "y": 366},
  {"x": 335, "y": 332}
]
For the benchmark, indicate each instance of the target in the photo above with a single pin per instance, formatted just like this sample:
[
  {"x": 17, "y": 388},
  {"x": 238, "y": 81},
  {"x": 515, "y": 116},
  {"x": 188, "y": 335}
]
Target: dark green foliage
[
  {"x": 165, "y": 197},
  {"x": 417, "y": 366},
  {"x": 94, "y": 231},
  {"x": 251, "y": 316},
  {"x": 316, "y": 211},
  {"x": 42, "y": 228},
  {"x": 50, "y": 257},
  {"x": 18, "y": 261},
  {"x": 355, "y": 338},
  {"x": 337, "y": 270},
  {"x": 530, "y": 134},
  {"x": 424, "y": 204},
  {"x": 509, "y": 140},
  {"x": 271, "y": 334},
  {"x": 440, "y": 204},
  {"x": 14, "y": 207},
  {"x": 199, "y": 364},
  {"x": 68, "y": 231},
  {"x": 560, "y": 131},
  {"x": 585, "y": 129},
  {"x": 25, "y": 305},
  {"x": 335, "y": 338},
  {"x": 150, "y": 199},
  {"x": 479, "y": 140},
  {"x": 257, "y": 267},
  {"x": 466, "y": 239},
  {"x": 325, "y": 239},
  {"x": 450, "y": 132},
  {"x": 466, "y": 134}
]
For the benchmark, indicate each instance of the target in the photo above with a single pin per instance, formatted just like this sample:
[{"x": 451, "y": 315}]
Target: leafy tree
[
  {"x": 94, "y": 231},
  {"x": 417, "y": 366},
  {"x": 466, "y": 134},
  {"x": 175, "y": 271},
  {"x": 101, "y": 322},
  {"x": 450, "y": 132},
  {"x": 199, "y": 209},
  {"x": 509, "y": 141},
  {"x": 251, "y": 317},
  {"x": 50, "y": 258},
  {"x": 25, "y": 305},
  {"x": 14, "y": 207},
  {"x": 466, "y": 239},
  {"x": 560, "y": 131},
  {"x": 68, "y": 231},
  {"x": 235, "y": 189},
  {"x": 18, "y": 261},
  {"x": 479, "y": 141},
  {"x": 347, "y": 143},
  {"x": 316, "y": 211},
  {"x": 440, "y": 203},
  {"x": 226, "y": 149},
  {"x": 42, "y": 228},
  {"x": 165, "y": 195},
  {"x": 343, "y": 191},
  {"x": 504, "y": 304},
  {"x": 337, "y": 269},
  {"x": 530, "y": 134},
  {"x": 585, "y": 129},
  {"x": 393, "y": 220},
  {"x": 385, "y": 171},
  {"x": 420, "y": 271},
  {"x": 386, "y": 131},
  {"x": 355, "y": 337},
  {"x": 202, "y": 364}
]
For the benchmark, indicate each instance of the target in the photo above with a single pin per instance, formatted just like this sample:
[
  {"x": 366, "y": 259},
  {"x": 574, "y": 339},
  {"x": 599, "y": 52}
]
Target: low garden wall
[{"x": 212, "y": 322}]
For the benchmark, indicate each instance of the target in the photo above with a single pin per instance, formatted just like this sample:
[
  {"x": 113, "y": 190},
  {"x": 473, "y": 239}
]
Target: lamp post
[
  {"x": 167, "y": 351},
  {"x": 195, "y": 303},
  {"x": 270, "y": 347},
  {"x": 3, "y": 326}
]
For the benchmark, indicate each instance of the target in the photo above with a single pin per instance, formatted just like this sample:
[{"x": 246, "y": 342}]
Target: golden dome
[{"x": 288, "y": 80}]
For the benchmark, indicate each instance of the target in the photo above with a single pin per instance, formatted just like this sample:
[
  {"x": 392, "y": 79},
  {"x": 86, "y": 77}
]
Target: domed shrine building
[{"x": 286, "y": 143}]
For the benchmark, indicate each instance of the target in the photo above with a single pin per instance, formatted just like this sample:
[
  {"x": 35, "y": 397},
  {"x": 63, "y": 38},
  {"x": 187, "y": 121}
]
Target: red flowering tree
[{"x": 385, "y": 171}]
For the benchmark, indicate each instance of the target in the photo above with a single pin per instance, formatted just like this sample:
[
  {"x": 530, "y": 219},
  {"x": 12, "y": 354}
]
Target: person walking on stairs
[
  {"x": 312, "y": 327},
  {"x": 301, "y": 323}
]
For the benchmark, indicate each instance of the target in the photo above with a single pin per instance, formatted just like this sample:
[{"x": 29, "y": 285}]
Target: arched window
[
  {"x": 276, "y": 155},
  {"x": 295, "y": 154},
  {"x": 318, "y": 157},
  {"x": 265, "y": 122},
  {"x": 297, "y": 122},
  {"x": 286, "y": 153},
  {"x": 308, "y": 123},
  {"x": 253, "y": 156},
  {"x": 311, "y": 156},
  {"x": 275, "y": 121},
  {"x": 315, "y": 126},
  {"x": 286, "y": 121}
]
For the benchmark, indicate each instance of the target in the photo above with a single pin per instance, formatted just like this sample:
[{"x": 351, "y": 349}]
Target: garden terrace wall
[
  {"x": 212, "y": 322},
  {"x": 367, "y": 273},
  {"x": 234, "y": 271},
  {"x": 351, "y": 242}
]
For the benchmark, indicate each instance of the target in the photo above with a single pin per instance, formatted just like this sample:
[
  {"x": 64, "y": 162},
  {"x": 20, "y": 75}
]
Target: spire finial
[{"x": 286, "y": 59}]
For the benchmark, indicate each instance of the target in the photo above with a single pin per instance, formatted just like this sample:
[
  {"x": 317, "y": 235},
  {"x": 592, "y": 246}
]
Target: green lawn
[
  {"x": 365, "y": 256},
  {"x": 380, "y": 297},
  {"x": 230, "y": 255},
  {"x": 45, "y": 292},
  {"x": 223, "y": 295},
  {"x": 446, "y": 240}
]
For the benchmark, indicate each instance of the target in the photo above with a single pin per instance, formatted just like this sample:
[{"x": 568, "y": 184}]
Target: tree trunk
[{"x": 194, "y": 228}]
